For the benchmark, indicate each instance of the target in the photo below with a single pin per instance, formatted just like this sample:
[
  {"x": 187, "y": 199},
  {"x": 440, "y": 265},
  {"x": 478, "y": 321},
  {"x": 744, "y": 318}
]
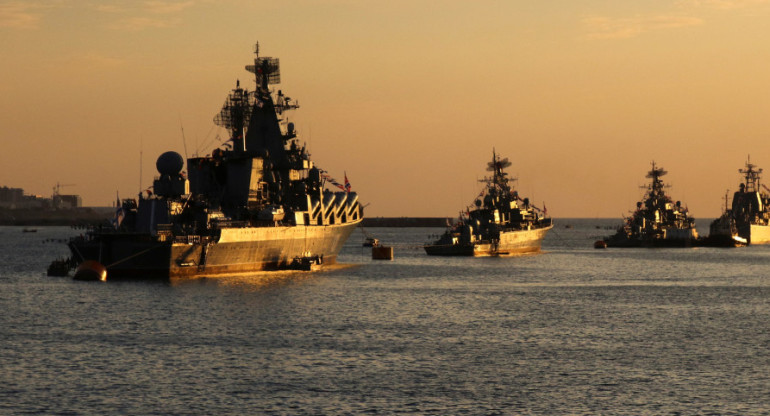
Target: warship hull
[
  {"x": 755, "y": 234},
  {"x": 237, "y": 250},
  {"x": 656, "y": 242},
  {"x": 511, "y": 243},
  {"x": 738, "y": 237},
  {"x": 723, "y": 240},
  {"x": 672, "y": 237},
  {"x": 724, "y": 233}
]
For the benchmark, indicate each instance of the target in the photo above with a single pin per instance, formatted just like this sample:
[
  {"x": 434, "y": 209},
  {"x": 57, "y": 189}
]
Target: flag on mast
[{"x": 347, "y": 183}]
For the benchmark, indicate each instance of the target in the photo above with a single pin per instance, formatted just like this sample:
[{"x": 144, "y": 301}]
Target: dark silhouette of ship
[
  {"x": 501, "y": 224},
  {"x": 658, "y": 221},
  {"x": 256, "y": 203},
  {"x": 747, "y": 220}
]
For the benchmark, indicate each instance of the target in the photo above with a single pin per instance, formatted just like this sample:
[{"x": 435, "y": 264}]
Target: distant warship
[
  {"x": 657, "y": 221},
  {"x": 747, "y": 220},
  {"x": 257, "y": 203},
  {"x": 501, "y": 223}
]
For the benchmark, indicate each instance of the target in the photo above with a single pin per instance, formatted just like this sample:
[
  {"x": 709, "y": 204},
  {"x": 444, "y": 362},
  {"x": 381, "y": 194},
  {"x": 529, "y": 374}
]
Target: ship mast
[
  {"x": 266, "y": 70},
  {"x": 499, "y": 179},
  {"x": 751, "y": 176},
  {"x": 235, "y": 115},
  {"x": 655, "y": 174}
]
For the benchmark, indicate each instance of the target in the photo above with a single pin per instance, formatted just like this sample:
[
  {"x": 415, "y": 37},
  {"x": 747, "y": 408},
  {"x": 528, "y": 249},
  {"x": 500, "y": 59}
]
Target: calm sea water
[{"x": 571, "y": 331}]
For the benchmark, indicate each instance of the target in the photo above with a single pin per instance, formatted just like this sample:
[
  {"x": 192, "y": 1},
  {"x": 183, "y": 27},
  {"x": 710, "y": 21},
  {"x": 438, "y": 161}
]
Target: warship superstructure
[
  {"x": 256, "y": 203},
  {"x": 501, "y": 223},
  {"x": 747, "y": 220},
  {"x": 658, "y": 221}
]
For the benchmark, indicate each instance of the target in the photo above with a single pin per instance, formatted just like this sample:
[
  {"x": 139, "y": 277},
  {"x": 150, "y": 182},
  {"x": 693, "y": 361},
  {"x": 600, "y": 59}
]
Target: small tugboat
[
  {"x": 60, "y": 267},
  {"x": 747, "y": 221},
  {"x": 501, "y": 224},
  {"x": 256, "y": 203},
  {"x": 657, "y": 221},
  {"x": 369, "y": 239}
]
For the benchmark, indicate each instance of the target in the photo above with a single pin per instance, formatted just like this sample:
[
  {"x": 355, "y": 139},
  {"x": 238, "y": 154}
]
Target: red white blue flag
[{"x": 347, "y": 183}]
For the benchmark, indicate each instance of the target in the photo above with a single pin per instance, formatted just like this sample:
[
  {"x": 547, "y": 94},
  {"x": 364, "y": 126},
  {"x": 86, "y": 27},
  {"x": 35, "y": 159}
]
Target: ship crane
[
  {"x": 55, "y": 198},
  {"x": 58, "y": 187}
]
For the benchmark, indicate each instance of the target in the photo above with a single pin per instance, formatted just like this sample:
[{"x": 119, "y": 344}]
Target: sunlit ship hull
[
  {"x": 757, "y": 234},
  {"x": 721, "y": 235},
  {"x": 238, "y": 250},
  {"x": 511, "y": 243}
]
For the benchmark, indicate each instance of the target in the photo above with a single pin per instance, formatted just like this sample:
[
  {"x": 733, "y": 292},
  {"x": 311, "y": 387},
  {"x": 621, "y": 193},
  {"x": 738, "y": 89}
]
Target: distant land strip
[
  {"x": 406, "y": 221},
  {"x": 97, "y": 215},
  {"x": 40, "y": 217}
]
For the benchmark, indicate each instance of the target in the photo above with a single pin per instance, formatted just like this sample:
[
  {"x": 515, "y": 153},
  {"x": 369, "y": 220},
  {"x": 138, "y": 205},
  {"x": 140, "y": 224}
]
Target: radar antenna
[
  {"x": 656, "y": 172},
  {"x": 751, "y": 176},
  {"x": 236, "y": 111},
  {"x": 498, "y": 164},
  {"x": 267, "y": 70}
]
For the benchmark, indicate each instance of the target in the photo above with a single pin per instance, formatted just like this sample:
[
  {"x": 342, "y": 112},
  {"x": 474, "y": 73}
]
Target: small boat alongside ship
[
  {"x": 658, "y": 221},
  {"x": 256, "y": 203},
  {"x": 747, "y": 220},
  {"x": 501, "y": 223}
]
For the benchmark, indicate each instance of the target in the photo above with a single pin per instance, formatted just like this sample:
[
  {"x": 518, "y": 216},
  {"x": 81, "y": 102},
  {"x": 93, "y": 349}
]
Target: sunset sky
[{"x": 408, "y": 97}]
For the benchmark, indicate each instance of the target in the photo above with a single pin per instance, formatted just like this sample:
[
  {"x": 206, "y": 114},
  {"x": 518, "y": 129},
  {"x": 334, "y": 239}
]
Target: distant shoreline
[
  {"x": 41, "y": 217},
  {"x": 406, "y": 221},
  {"x": 98, "y": 215}
]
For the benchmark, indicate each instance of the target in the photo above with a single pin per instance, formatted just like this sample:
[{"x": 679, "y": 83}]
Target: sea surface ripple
[{"x": 571, "y": 331}]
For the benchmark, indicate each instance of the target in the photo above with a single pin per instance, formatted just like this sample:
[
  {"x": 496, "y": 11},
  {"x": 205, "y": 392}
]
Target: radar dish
[
  {"x": 656, "y": 173},
  {"x": 267, "y": 66},
  {"x": 498, "y": 164}
]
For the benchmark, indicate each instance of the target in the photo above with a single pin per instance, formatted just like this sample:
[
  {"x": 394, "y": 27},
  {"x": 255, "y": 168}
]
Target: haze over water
[
  {"x": 574, "y": 330},
  {"x": 407, "y": 97}
]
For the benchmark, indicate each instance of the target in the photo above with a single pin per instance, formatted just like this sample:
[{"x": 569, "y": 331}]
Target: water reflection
[{"x": 256, "y": 281}]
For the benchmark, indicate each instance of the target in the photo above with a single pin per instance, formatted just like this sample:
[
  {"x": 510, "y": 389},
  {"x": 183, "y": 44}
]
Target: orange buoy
[
  {"x": 91, "y": 270},
  {"x": 600, "y": 244}
]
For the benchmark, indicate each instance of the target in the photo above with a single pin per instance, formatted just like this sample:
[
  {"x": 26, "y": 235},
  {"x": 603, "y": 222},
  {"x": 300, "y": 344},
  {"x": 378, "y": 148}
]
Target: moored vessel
[
  {"x": 258, "y": 202},
  {"x": 500, "y": 224},
  {"x": 746, "y": 220},
  {"x": 658, "y": 221}
]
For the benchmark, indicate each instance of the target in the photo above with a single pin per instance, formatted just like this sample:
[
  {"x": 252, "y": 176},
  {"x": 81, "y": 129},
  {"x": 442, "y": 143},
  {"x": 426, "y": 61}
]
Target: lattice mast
[{"x": 751, "y": 176}]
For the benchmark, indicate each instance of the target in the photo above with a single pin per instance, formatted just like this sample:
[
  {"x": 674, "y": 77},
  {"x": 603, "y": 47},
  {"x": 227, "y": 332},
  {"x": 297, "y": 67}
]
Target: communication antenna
[
  {"x": 141, "y": 146},
  {"x": 184, "y": 139}
]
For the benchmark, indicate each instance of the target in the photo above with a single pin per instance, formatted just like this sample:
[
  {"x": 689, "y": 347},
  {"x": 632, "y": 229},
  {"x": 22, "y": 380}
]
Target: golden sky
[{"x": 409, "y": 97}]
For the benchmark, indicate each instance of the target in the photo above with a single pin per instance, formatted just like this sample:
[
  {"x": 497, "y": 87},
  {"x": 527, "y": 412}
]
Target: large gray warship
[
  {"x": 747, "y": 221},
  {"x": 256, "y": 203},
  {"x": 501, "y": 224},
  {"x": 658, "y": 221}
]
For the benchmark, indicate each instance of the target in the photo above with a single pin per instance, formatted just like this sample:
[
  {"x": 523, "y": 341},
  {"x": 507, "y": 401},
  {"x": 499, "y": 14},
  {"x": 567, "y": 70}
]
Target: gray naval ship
[
  {"x": 658, "y": 221},
  {"x": 501, "y": 224},
  {"x": 256, "y": 203},
  {"x": 747, "y": 220}
]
